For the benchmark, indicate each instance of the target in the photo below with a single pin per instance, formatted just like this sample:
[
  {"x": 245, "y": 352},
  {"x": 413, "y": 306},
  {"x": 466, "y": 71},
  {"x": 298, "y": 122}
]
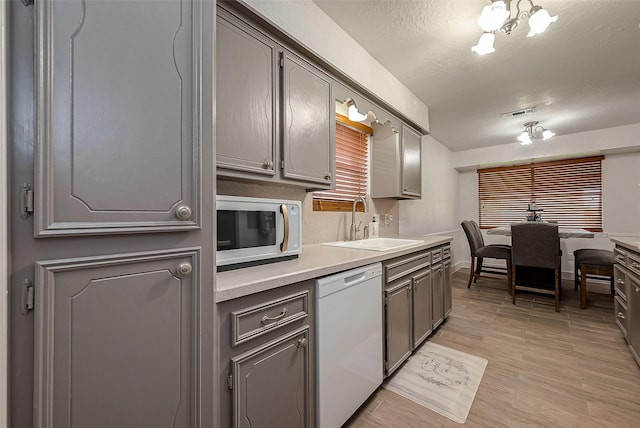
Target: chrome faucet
[{"x": 355, "y": 229}]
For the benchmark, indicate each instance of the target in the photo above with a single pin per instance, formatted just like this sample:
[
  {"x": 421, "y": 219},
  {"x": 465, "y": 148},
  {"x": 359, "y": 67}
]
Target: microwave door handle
[{"x": 285, "y": 215}]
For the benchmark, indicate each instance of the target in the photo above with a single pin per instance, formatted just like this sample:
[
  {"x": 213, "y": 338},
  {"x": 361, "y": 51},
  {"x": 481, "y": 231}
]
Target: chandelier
[
  {"x": 497, "y": 16},
  {"x": 532, "y": 132}
]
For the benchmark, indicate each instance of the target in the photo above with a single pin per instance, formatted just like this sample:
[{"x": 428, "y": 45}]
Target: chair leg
[
  {"x": 471, "y": 275},
  {"x": 576, "y": 276},
  {"x": 513, "y": 286},
  {"x": 557, "y": 292},
  {"x": 478, "y": 270},
  {"x": 583, "y": 289},
  {"x": 509, "y": 286}
]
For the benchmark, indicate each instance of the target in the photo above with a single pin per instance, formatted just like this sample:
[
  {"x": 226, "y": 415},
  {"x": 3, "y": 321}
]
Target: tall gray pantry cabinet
[{"x": 112, "y": 262}]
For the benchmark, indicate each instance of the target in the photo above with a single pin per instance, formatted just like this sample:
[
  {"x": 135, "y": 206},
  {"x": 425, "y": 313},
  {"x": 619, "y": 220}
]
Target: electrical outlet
[{"x": 388, "y": 219}]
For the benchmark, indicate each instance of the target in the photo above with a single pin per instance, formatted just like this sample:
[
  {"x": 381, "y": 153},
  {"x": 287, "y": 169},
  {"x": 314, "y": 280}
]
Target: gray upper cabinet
[
  {"x": 308, "y": 123},
  {"x": 102, "y": 322},
  {"x": 246, "y": 98},
  {"x": 396, "y": 169},
  {"x": 411, "y": 163},
  {"x": 275, "y": 110},
  {"x": 117, "y": 117}
]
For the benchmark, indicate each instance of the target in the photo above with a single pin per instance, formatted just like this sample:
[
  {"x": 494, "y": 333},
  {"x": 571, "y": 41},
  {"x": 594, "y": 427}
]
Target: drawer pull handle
[
  {"x": 620, "y": 315},
  {"x": 637, "y": 290},
  {"x": 302, "y": 343},
  {"x": 620, "y": 281},
  {"x": 635, "y": 265},
  {"x": 620, "y": 257},
  {"x": 266, "y": 319}
]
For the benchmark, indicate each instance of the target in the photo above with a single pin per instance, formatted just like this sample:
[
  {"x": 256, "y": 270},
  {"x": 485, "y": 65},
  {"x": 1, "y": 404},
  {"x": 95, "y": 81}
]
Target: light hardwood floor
[{"x": 546, "y": 369}]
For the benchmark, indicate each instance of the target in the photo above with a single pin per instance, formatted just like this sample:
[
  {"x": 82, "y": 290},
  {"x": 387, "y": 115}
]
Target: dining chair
[
  {"x": 594, "y": 264},
  {"x": 480, "y": 251},
  {"x": 536, "y": 245}
]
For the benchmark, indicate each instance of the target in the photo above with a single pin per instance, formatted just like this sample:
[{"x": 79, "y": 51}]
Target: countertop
[
  {"x": 627, "y": 243},
  {"x": 315, "y": 261}
]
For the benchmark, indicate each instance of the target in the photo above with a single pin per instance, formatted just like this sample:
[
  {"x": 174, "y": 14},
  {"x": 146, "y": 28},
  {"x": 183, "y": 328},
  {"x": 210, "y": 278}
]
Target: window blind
[
  {"x": 352, "y": 167},
  {"x": 569, "y": 192}
]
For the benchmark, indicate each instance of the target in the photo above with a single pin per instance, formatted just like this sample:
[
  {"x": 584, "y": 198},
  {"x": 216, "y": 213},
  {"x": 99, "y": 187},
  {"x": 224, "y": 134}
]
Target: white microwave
[{"x": 253, "y": 231}]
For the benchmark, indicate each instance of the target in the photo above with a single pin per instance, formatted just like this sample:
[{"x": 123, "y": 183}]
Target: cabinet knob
[
  {"x": 637, "y": 290},
  {"x": 268, "y": 164},
  {"x": 620, "y": 315},
  {"x": 635, "y": 265},
  {"x": 184, "y": 270},
  {"x": 327, "y": 176},
  {"x": 302, "y": 343},
  {"x": 620, "y": 257},
  {"x": 620, "y": 281},
  {"x": 183, "y": 212}
]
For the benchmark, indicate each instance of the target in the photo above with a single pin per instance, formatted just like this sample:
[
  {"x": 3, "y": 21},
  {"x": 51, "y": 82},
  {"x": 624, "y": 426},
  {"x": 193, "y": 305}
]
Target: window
[
  {"x": 352, "y": 167},
  {"x": 569, "y": 192}
]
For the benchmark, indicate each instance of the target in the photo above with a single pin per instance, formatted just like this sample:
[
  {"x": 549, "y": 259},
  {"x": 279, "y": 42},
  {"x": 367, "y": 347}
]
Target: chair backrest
[
  {"x": 535, "y": 244},
  {"x": 474, "y": 235}
]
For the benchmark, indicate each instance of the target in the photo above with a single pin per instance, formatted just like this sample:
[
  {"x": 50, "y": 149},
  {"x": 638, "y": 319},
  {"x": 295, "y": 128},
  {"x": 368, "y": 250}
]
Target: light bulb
[
  {"x": 524, "y": 138},
  {"x": 355, "y": 115},
  {"x": 493, "y": 16},
  {"x": 546, "y": 134},
  {"x": 485, "y": 44},
  {"x": 539, "y": 21}
]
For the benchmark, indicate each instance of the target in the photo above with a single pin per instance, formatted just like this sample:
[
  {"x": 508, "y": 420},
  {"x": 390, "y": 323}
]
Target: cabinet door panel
[
  {"x": 117, "y": 111},
  {"x": 448, "y": 298},
  {"x": 634, "y": 316},
  {"x": 271, "y": 384},
  {"x": 115, "y": 344},
  {"x": 421, "y": 307},
  {"x": 246, "y": 104},
  {"x": 411, "y": 163},
  {"x": 398, "y": 324},
  {"x": 308, "y": 122},
  {"x": 438, "y": 295}
]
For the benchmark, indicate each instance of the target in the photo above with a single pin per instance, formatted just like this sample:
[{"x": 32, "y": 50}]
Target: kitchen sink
[{"x": 376, "y": 244}]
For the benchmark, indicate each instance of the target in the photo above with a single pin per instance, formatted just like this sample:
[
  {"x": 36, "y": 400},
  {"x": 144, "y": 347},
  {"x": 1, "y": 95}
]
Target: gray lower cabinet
[
  {"x": 267, "y": 359},
  {"x": 422, "y": 323},
  {"x": 626, "y": 274},
  {"x": 275, "y": 110},
  {"x": 448, "y": 298},
  {"x": 437, "y": 295},
  {"x": 101, "y": 322},
  {"x": 398, "y": 320}
]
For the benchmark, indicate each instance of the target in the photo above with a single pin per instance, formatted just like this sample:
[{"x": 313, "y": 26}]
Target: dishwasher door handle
[{"x": 354, "y": 279}]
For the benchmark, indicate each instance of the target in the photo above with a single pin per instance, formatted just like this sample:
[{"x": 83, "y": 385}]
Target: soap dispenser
[{"x": 374, "y": 231}]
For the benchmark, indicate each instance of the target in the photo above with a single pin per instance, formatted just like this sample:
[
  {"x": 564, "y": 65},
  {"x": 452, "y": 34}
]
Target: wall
[
  {"x": 317, "y": 227},
  {"x": 620, "y": 210},
  {"x": 310, "y": 26},
  {"x": 438, "y": 212}
]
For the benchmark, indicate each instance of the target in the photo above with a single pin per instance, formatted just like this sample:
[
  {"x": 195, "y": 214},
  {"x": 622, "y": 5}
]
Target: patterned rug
[{"x": 441, "y": 379}]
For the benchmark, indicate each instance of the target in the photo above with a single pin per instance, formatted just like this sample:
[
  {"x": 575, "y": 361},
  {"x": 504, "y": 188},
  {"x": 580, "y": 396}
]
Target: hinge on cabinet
[
  {"x": 26, "y": 201},
  {"x": 27, "y": 296},
  {"x": 281, "y": 163},
  {"x": 27, "y": 2},
  {"x": 281, "y": 60},
  {"x": 229, "y": 381}
]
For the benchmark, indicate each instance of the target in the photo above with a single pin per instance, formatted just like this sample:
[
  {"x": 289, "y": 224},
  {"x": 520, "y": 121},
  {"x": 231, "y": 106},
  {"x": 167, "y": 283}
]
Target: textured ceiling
[{"x": 582, "y": 74}]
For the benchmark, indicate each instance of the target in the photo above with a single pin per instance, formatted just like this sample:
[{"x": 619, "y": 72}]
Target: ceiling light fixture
[
  {"x": 497, "y": 16},
  {"x": 532, "y": 132}
]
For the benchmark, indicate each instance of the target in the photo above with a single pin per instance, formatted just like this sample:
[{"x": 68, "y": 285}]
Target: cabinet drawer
[
  {"x": 621, "y": 315},
  {"x": 446, "y": 253},
  {"x": 257, "y": 320},
  {"x": 619, "y": 282},
  {"x": 633, "y": 263},
  {"x": 436, "y": 256},
  {"x": 405, "y": 265},
  {"x": 620, "y": 256}
]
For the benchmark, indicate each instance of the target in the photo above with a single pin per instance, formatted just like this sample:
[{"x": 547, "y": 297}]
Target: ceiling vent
[{"x": 520, "y": 112}]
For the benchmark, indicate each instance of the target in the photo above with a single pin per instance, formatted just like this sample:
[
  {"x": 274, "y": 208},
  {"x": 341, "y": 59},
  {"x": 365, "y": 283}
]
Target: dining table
[{"x": 563, "y": 232}]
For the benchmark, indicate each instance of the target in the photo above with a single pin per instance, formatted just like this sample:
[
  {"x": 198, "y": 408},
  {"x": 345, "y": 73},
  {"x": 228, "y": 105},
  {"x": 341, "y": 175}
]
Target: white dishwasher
[{"x": 349, "y": 342}]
